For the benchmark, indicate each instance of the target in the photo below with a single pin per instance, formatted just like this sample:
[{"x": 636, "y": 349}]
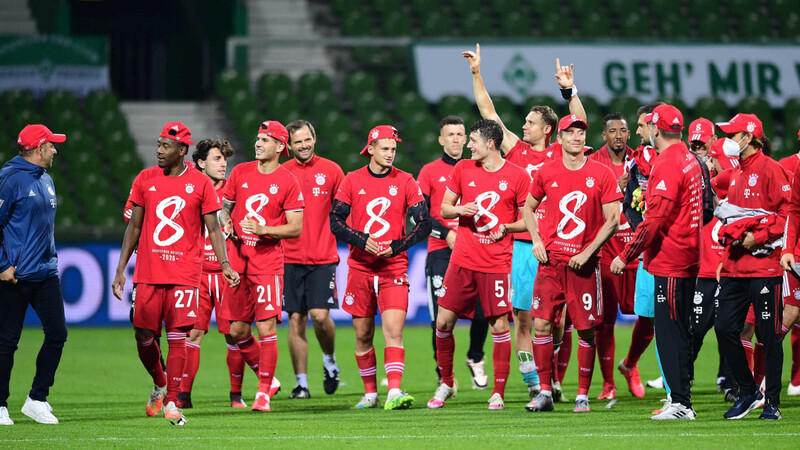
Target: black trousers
[
  {"x": 435, "y": 268},
  {"x": 673, "y": 310},
  {"x": 45, "y": 298},
  {"x": 735, "y": 297},
  {"x": 704, "y": 313}
]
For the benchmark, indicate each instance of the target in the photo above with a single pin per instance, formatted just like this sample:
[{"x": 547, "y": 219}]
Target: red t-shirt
[
  {"x": 170, "y": 245},
  {"x": 265, "y": 198},
  {"x": 128, "y": 211},
  {"x": 624, "y": 233},
  {"x": 712, "y": 249},
  {"x": 789, "y": 163},
  {"x": 499, "y": 196},
  {"x": 523, "y": 155},
  {"x": 578, "y": 216},
  {"x": 675, "y": 252},
  {"x": 319, "y": 180},
  {"x": 378, "y": 206},
  {"x": 433, "y": 183},
  {"x": 210, "y": 262}
]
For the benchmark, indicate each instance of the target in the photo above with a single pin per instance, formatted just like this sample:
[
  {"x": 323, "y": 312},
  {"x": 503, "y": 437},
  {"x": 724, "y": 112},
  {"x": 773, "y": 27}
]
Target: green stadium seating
[
  {"x": 312, "y": 83},
  {"x": 505, "y": 108},
  {"x": 57, "y": 101},
  {"x": 595, "y": 24},
  {"x": 384, "y": 7},
  {"x": 322, "y": 103},
  {"x": 664, "y": 8},
  {"x": 759, "y": 107},
  {"x": 410, "y": 103},
  {"x": 343, "y": 6},
  {"x": 423, "y": 7},
  {"x": 582, "y": 8},
  {"x": 627, "y": 106},
  {"x": 459, "y": 6},
  {"x": 359, "y": 82},
  {"x": 594, "y": 114},
  {"x": 17, "y": 99},
  {"x": 780, "y": 8},
  {"x": 713, "y": 109},
  {"x": 516, "y": 25},
  {"x": 67, "y": 121},
  {"x": 396, "y": 23},
  {"x": 436, "y": 24},
  {"x": 281, "y": 106},
  {"x": 551, "y": 24},
  {"x": 367, "y": 103},
  {"x": 374, "y": 118},
  {"x": 475, "y": 24},
  {"x": 792, "y": 108},
  {"x": 397, "y": 83},
  {"x": 700, "y": 8},
  {"x": 753, "y": 25},
  {"x": 789, "y": 25},
  {"x": 678, "y": 103},
  {"x": 357, "y": 23},
  {"x": 270, "y": 84},
  {"x": 636, "y": 25},
  {"x": 23, "y": 117},
  {"x": 739, "y": 7},
  {"x": 98, "y": 103},
  {"x": 451, "y": 104},
  {"x": 506, "y": 7},
  {"x": 417, "y": 124},
  {"x": 228, "y": 81},
  {"x": 675, "y": 27},
  {"x": 714, "y": 26},
  {"x": 332, "y": 123},
  {"x": 622, "y": 7}
]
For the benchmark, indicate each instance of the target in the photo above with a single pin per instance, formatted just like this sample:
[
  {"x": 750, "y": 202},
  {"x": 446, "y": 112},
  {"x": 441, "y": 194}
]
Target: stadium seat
[
  {"x": 739, "y": 7},
  {"x": 622, "y": 7},
  {"x": 313, "y": 82},
  {"x": 474, "y": 24},
  {"x": 397, "y": 83},
  {"x": 356, "y": 23},
  {"x": 368, "y": 102},
  {"x": 342, "y": 6},
  {"x": 594, "y": 115},
  {"x": 460, "y": 6},
  {"x": 384, "y": 7},
  {"x": 322, "y": 103},
  {"x": 228, "y": 81},
  {"x": 417, "y": 124},
  {"x": 396, "y": 23},
  {"x": 359, "y": 82},
  {"x": 714, "y": 26},
  {"x": 98, "y": 103},
  {"x": 450, "y": 104},
  {"x": 410, "y": 103},
  {"x": 516, "y": 25},
  {"x": 762, "y": 109},
  {"x": 582, "y": 8},
  {"x": 269, "y": 84},
  {"x": 23, "y": 117},
  {"x": 792, "y": 108},
  {"x": 664, "y": 8},
  {"x": 540, "y": 100},
  {"x": 423, "y": 7},
  {"x": 17, "y": 99},
  {"x": 595, "y": 24},
  {"x": 753, "y": 25},
  {"x": 780, "y": 8},
  {"x": 505, "y": 107},
  {"x": 67, "y": 120},
  {"x": 627, "y": 106},
  {"x": 506, "y": 7},
  {"x": 281, "y": 106},
  {"x": 675, "y": 27},
  {"x": 56, "y": 101},
  {"x": 713, "y": 109},
  {"x": 789, "y": 25},
  {"x": 372, "y": 119},
  {"x": 436, "y": 24},
  {"x": 678, "y": 103},
  {"x": 332, "y": 123},
  {"x": 636, "y": 25},
  {"x": 700, "y": 8}
]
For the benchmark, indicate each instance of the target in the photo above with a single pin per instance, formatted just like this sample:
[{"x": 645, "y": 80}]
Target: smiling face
[
  {"x": 382, "y": 152},
  {"x": 301, "y": 142},
  {"x": 267, "y": 148},
  {"x": 572, "y": 140}
]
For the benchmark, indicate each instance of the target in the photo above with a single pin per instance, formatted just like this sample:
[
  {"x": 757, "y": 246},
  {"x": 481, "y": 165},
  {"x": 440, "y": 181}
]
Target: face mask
[
  {"x": 731, "y": 148},
  {"x": 652, "y": 141}
]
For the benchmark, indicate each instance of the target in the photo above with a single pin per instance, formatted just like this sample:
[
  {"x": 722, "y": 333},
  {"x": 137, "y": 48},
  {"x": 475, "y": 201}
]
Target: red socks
[
  {"x": 250, "y": 351},
  {"x": 176, "y": 359},
  {"x": 795, "y": 341},
  {"x": 267, "y": 362},
  {"x": 445, "y": 348},
  {"x": 543, "y": 355},
  {"x": 191, "y": 366},
  {"x": 643, "y": 333},
  {"x": 562, "y": 356},
  {"x": 235, "y": 367},
  {"x": 606, "y": 346},
  {"x": 748, "y": 352},
  {"x": 501, "y": 358},
  {"x": 151, "y": 360},
  {"x": 366, "y": 368},
  {"x": 586, "y": 353},
  {"x": 394, "y": 362},
  {"x": 758, "y": 363}
]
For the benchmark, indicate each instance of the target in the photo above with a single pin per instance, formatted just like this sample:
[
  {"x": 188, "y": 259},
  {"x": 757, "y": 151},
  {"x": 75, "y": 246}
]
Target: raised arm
[{"x": 566, "y": 80}]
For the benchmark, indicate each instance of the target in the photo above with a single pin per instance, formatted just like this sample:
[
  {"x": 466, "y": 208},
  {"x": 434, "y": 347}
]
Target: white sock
[
  {"x": 372, "y": 395},
  {"x": 302, "y": 380},
  {"x": 582, "y": 397},
  {"x": 394, "y": 392},
  {"x": 329, "y": 361}
]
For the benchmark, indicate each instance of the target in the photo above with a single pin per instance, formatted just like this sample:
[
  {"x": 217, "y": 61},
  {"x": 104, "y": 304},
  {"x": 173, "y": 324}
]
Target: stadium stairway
[
  {"x": 16, "y": 18},
  {"x": 283, "y": 19},
  {"x": 146, "y": 119}
]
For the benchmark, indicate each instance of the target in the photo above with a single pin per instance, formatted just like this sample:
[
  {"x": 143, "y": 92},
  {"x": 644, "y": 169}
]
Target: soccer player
[
  {"x": 369, "y": 214},
  {"x": 490, "y": 191},
  {"x": 566, "y": 245},
  {"x": 530, "y": 153},
  {"x": 172, "y": 203},
  {"x": 310, "y": 261},
  {"x": 433, "y": 182},
  {"x": 750, "y": 273},
  {"x": 211, "y": 159},
  {"x": 617, "y": 291},
  {"x": 262, "y": 205},
  {"x": 670, "y": 237}
]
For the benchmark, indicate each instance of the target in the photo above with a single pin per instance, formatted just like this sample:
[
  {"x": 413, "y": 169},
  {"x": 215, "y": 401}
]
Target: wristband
[
  {"x": 568, "y": 93},
  {"x": 225, "y": 262}
]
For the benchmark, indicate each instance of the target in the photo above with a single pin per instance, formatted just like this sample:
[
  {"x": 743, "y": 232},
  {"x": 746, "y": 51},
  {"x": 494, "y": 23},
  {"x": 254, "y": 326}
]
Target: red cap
[
  {"x": 571, "y": 121},
  {"x": 380, "y": 132},
  {"x": 748, "y": 123},
  {"x": 177, "y": 131},
  {"x": 721, "y": 183},
  {"x": 276, "y": 130},
  {"x": 716, "y": 152},
  {"x": 35, "y": 135},
  {"x": 666, "y": 117},
  {"x": 701, "y": 130}
]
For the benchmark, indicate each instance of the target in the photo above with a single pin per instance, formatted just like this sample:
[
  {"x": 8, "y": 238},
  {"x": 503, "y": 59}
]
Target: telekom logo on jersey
[
  {"x": 178, "y": 203},
  {"x": 570, "y": 214}
]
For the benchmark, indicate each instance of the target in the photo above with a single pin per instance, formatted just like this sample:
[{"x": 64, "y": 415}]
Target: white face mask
[{"x": 731, "y": 147}]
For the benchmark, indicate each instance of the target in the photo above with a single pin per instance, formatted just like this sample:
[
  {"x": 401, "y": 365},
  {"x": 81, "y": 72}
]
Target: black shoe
[
  {"x": 770, "y": 413},
  {"x": 730, "y": 396},
  {"x": 331, "y": 381},
  {"x": 300, "y": 392},
  {"x": 743, "y": 405},
  {"x": 184, "y": 400}
]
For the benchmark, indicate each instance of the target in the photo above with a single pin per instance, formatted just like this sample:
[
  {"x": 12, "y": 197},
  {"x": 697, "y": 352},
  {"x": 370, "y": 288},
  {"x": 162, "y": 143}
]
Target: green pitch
[{"x": 101, "y": 390}]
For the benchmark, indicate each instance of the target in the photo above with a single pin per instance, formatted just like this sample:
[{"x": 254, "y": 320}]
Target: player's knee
[
  {"x": 55, "y": 336},
  {"x": 319, "y": 317},
  {"x": 142, "y": 334},
  {"x": 542, "y": 327},
  {"x": 586, "y": 334}
]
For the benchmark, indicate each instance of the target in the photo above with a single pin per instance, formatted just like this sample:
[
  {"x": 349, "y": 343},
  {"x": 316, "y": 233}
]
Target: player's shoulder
[
  {"x": 401, "y": 175},
  {"x": 467, "y": 164},
  {"x": 515, "y": 169},
  {"x": 245, "y": 166},
  {"x": 328, "y": 163},
  {"x": 597, "y": 166}
]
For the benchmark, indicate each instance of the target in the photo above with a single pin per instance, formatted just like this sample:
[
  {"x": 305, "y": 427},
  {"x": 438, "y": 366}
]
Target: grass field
[{"x": 101, "y": 389}]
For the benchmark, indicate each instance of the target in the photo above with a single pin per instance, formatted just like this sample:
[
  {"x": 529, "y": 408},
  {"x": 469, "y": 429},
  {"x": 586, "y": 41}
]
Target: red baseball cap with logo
[
  {"x": 701, "y": 130},
  {"x": 571, "y": 121},
  {"x": 35, "y": 135},
  {"x": 666, "y": 117},
  {"x": 748, "y": 123},
  {"x": 380, "y": 132},
  {"x": 275, "y": 129},
  {"x": 724, "y": 161},
  {"x": 177, "y": 131}
]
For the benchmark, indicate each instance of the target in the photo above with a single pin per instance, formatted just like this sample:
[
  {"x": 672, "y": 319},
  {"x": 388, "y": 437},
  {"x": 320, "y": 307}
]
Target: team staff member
[
  {"x": 29, "y": 267},
  {"x": 670, "y": 237},
  {"x": 310, "y": 260},
  {"x": 750, "y": 270}
]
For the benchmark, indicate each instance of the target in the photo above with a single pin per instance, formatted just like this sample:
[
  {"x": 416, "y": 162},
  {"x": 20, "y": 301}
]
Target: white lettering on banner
[
  {"x": 493, "y": 198},
  {"x": 179, "y": 204},
  {"x": 569, "y": 214},
  {"x": 611, "y": 70},
  {"x": 117, "y": 310},
  {"x": 384, "y": 203},
  {"x": 252, "y": 213},
  {"x": 91, "y": 298}
]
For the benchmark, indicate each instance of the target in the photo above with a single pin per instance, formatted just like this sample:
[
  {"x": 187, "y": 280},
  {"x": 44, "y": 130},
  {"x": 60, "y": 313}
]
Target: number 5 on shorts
[
  {"x": 587, "y": 301},
  {"x": 499, "y": 289},
  {"x": 179, "y": 296}
]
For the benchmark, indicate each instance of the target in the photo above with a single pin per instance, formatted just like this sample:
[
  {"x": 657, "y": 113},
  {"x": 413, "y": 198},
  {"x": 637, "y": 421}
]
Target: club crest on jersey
[
  {"x": 348, "y": 298},
  {"x": 320, "y": 179},
  {"x": 752, "y": 180},
  {"x": 392, "y": 190},
  {"x": 589, "y": 182},
  {"x": 698, "y": 298},
  {"x": 189, "y": 188},
  {"x": 797, "y": 294},
  {"x": 536, "y": 301},
  {"x": 273, "y": 189},
  {"x": 503, "y": 185}
]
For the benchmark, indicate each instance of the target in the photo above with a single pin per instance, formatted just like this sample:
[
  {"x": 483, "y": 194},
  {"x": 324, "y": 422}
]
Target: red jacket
[{"x": 761, "y": 183}]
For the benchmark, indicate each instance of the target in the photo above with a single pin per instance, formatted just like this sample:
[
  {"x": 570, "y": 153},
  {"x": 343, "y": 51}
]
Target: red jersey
[
  {"x": 319, "y": 180},
  {"x": 789, "y": 163},
  {"x": 433, "y": 183},
  {"x": 523, "y": 155},
  {"x": 170, "y": 245},
  {"x": 675, "y": 251},
  {"x": 128, "y": 211},
  {"x": 265, "y": 198},
  {"x": 624, "y": 233},
  {"x": 712, "y": 250},
  {"x": 499, "y": 196},
  {"x": 378, "y": 207},
  {"x": 581, "y": 194},
  {"x": 210, "y": 262}
]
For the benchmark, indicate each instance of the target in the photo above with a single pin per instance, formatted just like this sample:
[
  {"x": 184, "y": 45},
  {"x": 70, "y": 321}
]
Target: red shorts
[
  {"x": 258, "y": 297},
  {"x": 791, "y": 290},
  {"x": 618, "y": 290},
  {"x": 368, "y": 294},
  {"x": 556, "y": 285},
  {"x": 213, "y": 288},
  {"x": 463, "y": 288},
  {"x": 751, "y": 316},
  {"x": 173, "y": 305}
]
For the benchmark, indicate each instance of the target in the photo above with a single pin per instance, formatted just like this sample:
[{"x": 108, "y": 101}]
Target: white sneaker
[
  {"x": 658, "y": 383},
  {"x": 793, "y": 390},
  {"x": 442, "y": 394},
  {"x": 5, "y": 419},
  {"x": 38, "y": 411},
  {"x": 367, "y": 403},
  {"x": 479, "y": 378},
  {"x": 496, "y": 402},
  {"x": 675, "y": 411}
]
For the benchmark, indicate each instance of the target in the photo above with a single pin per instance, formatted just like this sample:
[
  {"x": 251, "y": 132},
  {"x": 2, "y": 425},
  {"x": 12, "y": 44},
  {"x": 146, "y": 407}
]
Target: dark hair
[
  {"x": 489, "y": 130},
  {"x": 763, "y": 143},
  {"x": 648, "y": 108},
  {"x": 450, "y": 120},
  {"x": 670, "y": 134},
  {"x": 613, "y": 116},
  {"x": 549, "y": 116},
  {"x": 295, "y": 126},
  {"x": 202, "y": 148}
]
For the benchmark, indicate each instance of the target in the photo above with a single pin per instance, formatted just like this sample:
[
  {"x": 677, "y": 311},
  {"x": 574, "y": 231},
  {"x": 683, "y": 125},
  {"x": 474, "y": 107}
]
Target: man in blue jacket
[{"x": 28, "y": 267}]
